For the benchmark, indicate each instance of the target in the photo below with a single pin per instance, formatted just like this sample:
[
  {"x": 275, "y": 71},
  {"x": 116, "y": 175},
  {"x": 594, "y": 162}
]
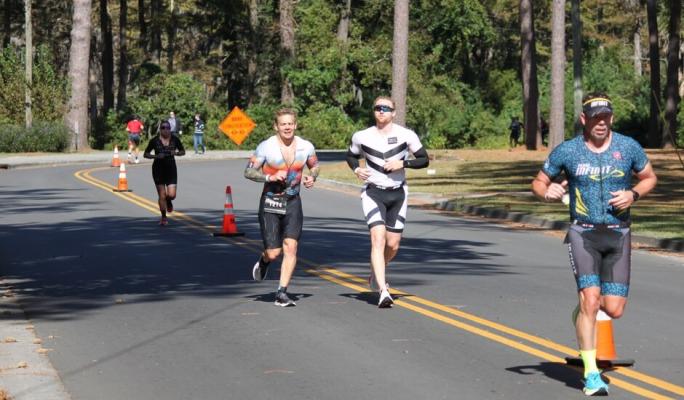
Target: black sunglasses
[
  {"x": 383, "y": 108},
  {"x": 165, "y": 127}
]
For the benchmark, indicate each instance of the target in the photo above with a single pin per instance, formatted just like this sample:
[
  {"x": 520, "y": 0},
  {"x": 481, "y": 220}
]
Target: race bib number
[{"x": 275, "y": 204}]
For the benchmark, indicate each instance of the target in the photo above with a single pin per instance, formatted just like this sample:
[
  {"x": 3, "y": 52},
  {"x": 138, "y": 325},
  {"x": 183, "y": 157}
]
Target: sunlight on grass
[{"x": 501, "y": 179}]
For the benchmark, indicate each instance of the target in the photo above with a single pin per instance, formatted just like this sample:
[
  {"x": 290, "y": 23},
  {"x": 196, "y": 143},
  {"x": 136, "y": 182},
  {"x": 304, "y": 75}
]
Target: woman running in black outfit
[{"x": 164, "y": 173}]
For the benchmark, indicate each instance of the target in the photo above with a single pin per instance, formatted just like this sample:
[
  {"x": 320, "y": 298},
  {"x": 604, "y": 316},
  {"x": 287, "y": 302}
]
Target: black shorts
[
  {"x": 277, "y": 227},
  {"x": 164, "y": 173},
  {"x": 601, "y": 257}
]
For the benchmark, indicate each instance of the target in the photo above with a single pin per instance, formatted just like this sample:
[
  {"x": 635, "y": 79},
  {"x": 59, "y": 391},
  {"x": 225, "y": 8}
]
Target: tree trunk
[
  {"x": 400, "y": 59},
  {"x": 155, "y": 30},
  {"x": 6, "y": 23},
  {"x": 557, "y": 114},
  {"x": 345, "y": 19},
  {"x": 577, "y": 66},
  {"x": 171, "y": 32},
  {"x": 635, "y": 5},
  {"x": 142, "y": 25},
  {"x": 28, "y": 29},
  {"x": 672, "y": 84},
  {"x": 123, "y": 56},
  {"x": 654, "y": 138},
  {"x": 252, "y": 57},
  {"x": 79, "y": 58},
  {"x": 107, "y": 58},
  {"x": 287, "y": 45},
  {"x": 529, "y": 77}
]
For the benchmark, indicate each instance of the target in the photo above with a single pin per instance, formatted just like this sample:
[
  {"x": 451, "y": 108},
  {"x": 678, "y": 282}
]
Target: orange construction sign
[{"x": 237, "y": 125}]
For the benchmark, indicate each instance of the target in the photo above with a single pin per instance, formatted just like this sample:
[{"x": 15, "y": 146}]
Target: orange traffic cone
[
  {"x": 605, "y": 346},
  {"x": 229, "y": 227},
  {"x": 606, "y": 356},
  {"x": 115, "y": 159},
  {"x": 123, "y": 182}
]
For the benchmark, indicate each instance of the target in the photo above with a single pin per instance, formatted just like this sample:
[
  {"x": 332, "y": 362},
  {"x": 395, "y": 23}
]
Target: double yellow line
[{"x": 507, "y": 336}]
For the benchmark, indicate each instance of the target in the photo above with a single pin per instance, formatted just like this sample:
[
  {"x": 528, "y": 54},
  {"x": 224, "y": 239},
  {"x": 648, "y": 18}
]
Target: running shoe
[
  {"x": 594, "y": 385},
  {"x": 575, "y": 313},
  {"x": 260, "y": 270},
  {"x": 282, "y": 300},
  {"x": 163, "y": 221},
  {"x": 137, "y": 161},
  {"x": 385, "y": 299},
  {"x": 169, "y": 205}
]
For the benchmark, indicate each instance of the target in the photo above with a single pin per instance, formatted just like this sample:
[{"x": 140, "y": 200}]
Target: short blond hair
[
  {"x": 284, "y": 111},
  {"x": 383, "y": 98}
]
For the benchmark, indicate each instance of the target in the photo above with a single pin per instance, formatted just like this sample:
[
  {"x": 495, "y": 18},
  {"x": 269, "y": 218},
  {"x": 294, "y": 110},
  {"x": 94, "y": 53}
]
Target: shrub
[{"x": 42, "y": 136}]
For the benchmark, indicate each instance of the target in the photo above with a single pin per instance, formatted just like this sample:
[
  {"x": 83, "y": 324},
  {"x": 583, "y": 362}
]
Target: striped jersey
[{"x": 378, "y": 148}]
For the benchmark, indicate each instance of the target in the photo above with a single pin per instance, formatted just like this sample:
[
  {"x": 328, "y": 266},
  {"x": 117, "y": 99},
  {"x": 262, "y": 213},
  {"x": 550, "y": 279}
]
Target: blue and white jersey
[{"x": 592, "y": 176}]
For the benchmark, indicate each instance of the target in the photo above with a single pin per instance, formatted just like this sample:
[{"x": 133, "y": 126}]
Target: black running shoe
[
  {"x": 260, "y": 270},
  {"x": 282, "y": 300}
]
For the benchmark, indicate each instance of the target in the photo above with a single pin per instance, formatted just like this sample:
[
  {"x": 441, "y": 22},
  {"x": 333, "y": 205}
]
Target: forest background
[{"x": 327, "y": 58}]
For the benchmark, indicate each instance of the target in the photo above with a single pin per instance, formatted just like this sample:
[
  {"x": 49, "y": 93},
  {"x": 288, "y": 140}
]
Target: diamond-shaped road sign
[{"x": 237, "y": 125}]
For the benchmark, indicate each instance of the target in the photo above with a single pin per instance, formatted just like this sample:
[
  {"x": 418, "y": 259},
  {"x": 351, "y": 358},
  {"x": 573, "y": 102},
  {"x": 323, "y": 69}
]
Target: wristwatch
[{"x": 636, "y": 194}]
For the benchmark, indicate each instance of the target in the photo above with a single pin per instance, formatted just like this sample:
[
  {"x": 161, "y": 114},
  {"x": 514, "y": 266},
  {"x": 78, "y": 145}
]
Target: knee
[
  {"x": 290, "y": 248},
  {"x": 272, "y": 254},
  {"x": 614, "y": 311},
  {"x": 392, "y": 245},
  {"x": 591, "y": 305}
]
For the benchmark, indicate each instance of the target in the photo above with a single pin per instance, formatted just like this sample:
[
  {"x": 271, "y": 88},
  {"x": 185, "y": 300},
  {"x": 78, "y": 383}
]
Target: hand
[
  {"x": 308, "y": 181},
  {"x": 362, "y": 173},
  {"x": 555, "y": 191},
  {"x": 394, "y": 165},
  {"x": 622, "y": 199},
  {"x": 279, "y": 176}
]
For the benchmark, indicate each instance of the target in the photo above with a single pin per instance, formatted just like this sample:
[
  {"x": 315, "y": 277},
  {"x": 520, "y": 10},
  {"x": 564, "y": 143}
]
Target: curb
[{"x": 447, "y": 205}]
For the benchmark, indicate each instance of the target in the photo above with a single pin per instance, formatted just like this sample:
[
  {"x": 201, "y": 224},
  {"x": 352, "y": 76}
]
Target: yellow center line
[{"x": 341, "y": 278}]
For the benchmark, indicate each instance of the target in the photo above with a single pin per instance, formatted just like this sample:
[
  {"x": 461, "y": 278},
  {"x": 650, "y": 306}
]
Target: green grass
[{"x": 501, "y": 179}]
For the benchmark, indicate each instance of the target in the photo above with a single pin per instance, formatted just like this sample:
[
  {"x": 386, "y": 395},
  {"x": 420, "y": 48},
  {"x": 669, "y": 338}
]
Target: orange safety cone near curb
[
  {"x": 116, "y": 161},
  {"x": 229, "y": 227},
  {"x": 123, "y": 181},
  {"x": 606, "y": 356}
]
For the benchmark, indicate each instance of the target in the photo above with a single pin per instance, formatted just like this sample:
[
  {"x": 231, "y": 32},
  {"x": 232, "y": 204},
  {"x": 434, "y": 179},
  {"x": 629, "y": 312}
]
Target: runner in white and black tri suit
[
  {"x": 598, "y": 168},
  {"x": 279, "y": 163},
  {"x": 386, "y": 147}
]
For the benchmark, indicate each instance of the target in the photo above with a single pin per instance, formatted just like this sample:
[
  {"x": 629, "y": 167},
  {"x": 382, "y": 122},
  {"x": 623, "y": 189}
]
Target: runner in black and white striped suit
[{"x": 386, "y": 148}]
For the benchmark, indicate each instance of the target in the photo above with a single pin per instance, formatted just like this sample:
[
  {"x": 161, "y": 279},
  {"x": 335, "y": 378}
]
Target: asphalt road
[{"x": 130, "y": 310}]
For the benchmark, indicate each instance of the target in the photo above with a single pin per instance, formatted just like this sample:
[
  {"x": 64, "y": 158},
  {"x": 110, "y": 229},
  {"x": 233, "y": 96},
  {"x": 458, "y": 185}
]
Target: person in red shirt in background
[{"x": 134, "y": 128}]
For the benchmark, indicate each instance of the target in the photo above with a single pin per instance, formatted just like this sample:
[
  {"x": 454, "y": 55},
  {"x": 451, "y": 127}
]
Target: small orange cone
[
  {"x": 116, "y": 161},
  {"x": 123, "y": 182},
  {"x": 229, "y": 227},
  {"x": 606, "y": 356}
]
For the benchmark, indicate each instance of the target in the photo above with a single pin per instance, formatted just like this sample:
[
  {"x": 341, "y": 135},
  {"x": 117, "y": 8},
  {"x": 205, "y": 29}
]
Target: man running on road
[
  {"x": 384, "y": 197},
  {"x": 279, "y": 162},
  {"x": 598, "y": 168},
  {"x": 134, "y": 128}
]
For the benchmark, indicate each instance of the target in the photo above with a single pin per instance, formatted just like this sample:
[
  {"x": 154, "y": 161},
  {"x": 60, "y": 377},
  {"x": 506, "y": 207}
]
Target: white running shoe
[
  {"x": 386, "y": 300},
  {"x": 137, "y": 161}
]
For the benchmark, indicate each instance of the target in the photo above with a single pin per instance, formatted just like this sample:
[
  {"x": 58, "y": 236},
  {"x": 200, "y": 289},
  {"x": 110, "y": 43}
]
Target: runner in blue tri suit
[{"x": 598, "y": 168}]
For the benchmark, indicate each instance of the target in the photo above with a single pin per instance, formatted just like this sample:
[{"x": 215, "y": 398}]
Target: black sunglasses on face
[
  {"x": 383, "y": 108},
  {"x": 166, "y": 128}
]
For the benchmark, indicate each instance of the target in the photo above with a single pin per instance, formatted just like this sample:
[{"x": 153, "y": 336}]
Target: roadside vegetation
[{"x": 501, "y": 179}]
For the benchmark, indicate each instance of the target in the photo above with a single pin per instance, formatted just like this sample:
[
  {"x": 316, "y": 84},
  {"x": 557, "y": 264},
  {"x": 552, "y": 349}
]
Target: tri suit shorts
[
  {"x": 277, "y": 227},
  {"x": 601, "y": 256},
  {"x": 164, "y": 172}
]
